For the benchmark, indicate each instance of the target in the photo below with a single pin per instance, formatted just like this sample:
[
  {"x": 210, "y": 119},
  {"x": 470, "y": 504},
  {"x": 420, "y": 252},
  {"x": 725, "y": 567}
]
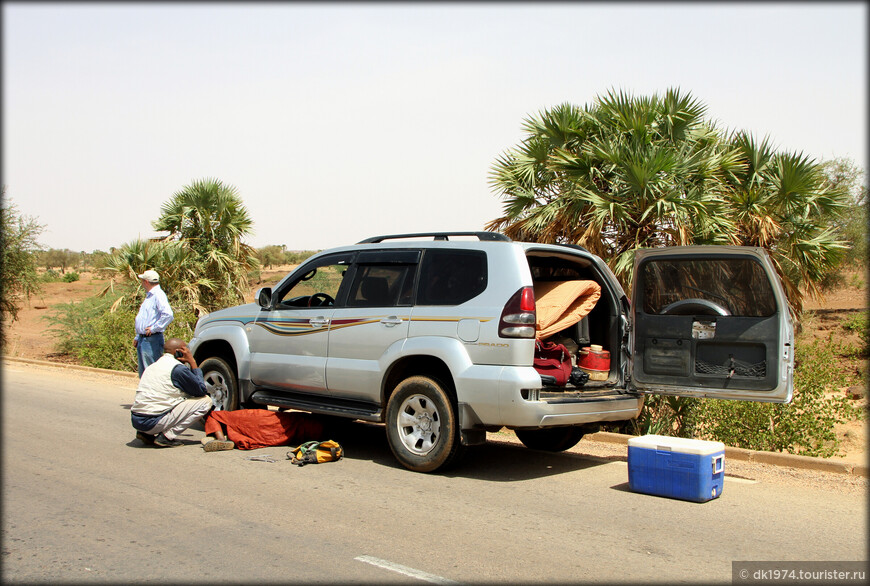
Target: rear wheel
[
  {"x": 422, "y": 427},
  {"x": 553, "y": 439},
  {"x": 221, "y": 384}
]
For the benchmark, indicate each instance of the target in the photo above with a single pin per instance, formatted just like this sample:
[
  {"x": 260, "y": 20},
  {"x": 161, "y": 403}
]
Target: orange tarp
[
  {"x": 261, "y": 428},
  {"x": 560, "y": 304}
]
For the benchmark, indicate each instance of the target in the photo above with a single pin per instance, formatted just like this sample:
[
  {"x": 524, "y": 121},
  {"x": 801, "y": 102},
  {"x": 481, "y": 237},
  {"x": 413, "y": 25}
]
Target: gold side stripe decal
[
  {"x": 450, "y": 319},
  {"x": 302, "y": 329}
]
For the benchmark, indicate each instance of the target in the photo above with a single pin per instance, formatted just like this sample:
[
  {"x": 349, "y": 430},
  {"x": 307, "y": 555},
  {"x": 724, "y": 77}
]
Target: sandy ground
[{"x": 29, "y": 336}]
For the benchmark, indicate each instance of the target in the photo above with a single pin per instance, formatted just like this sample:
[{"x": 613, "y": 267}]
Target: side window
[
  {"x": 726, "y": 286},
  {"x": 381, "y": 286},
  {"x": 451, "y": 277},
  {"x": 318, "y": 285}
]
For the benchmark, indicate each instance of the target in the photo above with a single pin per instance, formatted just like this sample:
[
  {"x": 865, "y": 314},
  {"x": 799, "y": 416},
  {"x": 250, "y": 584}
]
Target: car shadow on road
[
  {"x": 502, "y": 462},
  {"x": 491, "y": 462}
]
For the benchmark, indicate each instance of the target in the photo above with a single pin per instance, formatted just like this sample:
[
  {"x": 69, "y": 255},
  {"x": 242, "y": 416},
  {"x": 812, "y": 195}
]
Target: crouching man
[{"x": 171, "y": 397}]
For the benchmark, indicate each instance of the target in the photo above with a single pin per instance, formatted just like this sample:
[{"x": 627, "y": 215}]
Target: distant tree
[
  {"x": 18, "y": 279},
  {"x": 851, "y": 226},
  {"x": 295, "y": 257},
  {"x": 60, "y": 258},
  {"x": 95, "y": 259},
  {"x": 272, "y": 254}
]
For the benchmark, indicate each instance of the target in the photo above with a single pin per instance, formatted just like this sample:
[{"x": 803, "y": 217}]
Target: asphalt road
[{"x": 84, "y": 501}]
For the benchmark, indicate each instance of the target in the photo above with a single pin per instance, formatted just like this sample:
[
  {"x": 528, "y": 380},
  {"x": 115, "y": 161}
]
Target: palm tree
[
  {"x": 630, "y": 172},
  {"x": 203, "y": 263},
  {"x": 785, "y": 203},
  {"x": 207, "y": 214},
  {"x": 209, "y": 219},
  {"x": 174, "y": 262},
  {"x": 622, "y": 174}
]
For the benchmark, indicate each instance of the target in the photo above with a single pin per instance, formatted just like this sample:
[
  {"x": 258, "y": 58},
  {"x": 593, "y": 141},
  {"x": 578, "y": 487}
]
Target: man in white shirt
[{"x": 153, "y": 317}]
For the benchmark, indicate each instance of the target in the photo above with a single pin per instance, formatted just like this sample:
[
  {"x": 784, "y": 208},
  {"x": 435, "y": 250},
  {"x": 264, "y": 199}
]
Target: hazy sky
[{"x": 341, "y": 121}]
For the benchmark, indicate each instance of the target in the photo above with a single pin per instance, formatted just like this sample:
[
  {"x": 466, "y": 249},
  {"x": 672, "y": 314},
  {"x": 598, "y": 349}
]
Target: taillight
[{"x": 518, "y": 316}]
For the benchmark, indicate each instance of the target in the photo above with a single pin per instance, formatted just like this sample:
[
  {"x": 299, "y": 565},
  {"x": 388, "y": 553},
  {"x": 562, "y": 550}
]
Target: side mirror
[{"x": 264, "y": 297}]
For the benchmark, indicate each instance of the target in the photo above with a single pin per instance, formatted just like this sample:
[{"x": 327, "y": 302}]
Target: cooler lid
[{"x": 676, "y": 444}]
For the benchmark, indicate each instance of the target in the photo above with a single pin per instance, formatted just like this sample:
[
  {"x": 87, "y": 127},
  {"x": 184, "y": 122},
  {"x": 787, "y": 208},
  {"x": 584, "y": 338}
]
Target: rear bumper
[{"x": 509, "y": 396}]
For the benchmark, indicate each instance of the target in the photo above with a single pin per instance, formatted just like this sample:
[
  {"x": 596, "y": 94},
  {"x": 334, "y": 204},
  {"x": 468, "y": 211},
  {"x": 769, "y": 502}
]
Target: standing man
[
  {"x": 171, "y": 397},
  {"x": 153, "y": 317}
]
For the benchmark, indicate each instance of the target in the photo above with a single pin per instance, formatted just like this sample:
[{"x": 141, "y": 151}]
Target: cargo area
[{"x": 588, "y": 326}]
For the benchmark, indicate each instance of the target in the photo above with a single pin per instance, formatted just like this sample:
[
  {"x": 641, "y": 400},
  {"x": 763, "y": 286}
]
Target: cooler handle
[{"x": 718, "y": 464}]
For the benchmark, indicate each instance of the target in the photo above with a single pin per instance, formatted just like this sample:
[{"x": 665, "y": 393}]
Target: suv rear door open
[{"x": 710, "y": 321}]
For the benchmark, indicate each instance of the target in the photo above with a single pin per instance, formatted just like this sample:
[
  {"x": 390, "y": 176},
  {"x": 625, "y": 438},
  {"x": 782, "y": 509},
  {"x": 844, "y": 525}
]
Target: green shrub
[
  {"x": 50, "y": 276},
  {"x": 182, "y": 324},
  {"x": 70, "y": 277},
  {"x": 92, "y": 333},
  {"x": 102, "y": 338},
  {"x": 666, "y": 415},
  {"x": 857, "y": 323},
  {"x": 110, "y": 342}
]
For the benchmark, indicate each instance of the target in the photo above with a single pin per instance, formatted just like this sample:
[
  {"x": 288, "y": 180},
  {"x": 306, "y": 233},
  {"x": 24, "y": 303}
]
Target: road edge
[
  {"x": 772, "y": 458},
  {"x": 123, "y": 373}
]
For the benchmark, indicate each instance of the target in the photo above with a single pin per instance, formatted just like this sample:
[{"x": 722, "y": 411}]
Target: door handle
[
  {"x": 319, "y": 321},
  {"x": 391, "y": 321}
]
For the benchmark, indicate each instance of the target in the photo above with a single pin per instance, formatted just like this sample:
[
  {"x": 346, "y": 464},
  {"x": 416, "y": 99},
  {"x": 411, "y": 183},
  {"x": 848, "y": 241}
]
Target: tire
[
  {"x": 553, "y": 439},
  {"x": 422, "y": 426},
  {"x": 221, "y": 384}
]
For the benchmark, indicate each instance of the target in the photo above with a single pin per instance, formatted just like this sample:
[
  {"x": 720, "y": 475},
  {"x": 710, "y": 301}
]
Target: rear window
[
  {"x": 738, "y": 285},
  {"x": 451, "y": 277},
  {"x": 382, "y": 286}
]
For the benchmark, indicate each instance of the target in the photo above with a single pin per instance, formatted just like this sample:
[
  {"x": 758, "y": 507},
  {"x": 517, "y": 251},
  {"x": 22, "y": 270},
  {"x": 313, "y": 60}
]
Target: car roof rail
[
  {"x": 575, "y": 247},
  {"x": 482, "y": 236}
]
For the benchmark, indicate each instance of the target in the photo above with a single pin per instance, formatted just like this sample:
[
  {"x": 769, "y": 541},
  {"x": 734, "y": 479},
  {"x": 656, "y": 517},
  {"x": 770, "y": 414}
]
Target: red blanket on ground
[{"x": 250, "y": 429}]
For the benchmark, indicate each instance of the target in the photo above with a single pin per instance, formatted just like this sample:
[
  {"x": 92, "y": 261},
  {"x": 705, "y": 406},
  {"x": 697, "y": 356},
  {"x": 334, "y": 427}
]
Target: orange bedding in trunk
[{"x": 561, "y": 304}]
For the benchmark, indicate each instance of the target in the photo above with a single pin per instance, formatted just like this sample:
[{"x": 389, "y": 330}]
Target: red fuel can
[{"x": 595, "y": 361}]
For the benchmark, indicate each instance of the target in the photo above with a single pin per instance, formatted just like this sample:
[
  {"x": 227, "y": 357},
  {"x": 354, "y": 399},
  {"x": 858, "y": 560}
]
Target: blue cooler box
[{"x": 676, "y": 467}]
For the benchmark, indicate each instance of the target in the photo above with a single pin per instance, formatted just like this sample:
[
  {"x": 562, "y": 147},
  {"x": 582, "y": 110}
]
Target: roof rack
[{"x": 482, "y": 236}]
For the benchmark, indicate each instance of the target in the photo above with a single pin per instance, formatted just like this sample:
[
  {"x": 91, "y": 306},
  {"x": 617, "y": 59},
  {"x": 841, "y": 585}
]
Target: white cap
[{"x": 150, "y": 276}]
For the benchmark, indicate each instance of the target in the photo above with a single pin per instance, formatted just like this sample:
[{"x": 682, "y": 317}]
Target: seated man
[
  {"x": 249, "y": 429},
  {"x": 171, "y": 397}
]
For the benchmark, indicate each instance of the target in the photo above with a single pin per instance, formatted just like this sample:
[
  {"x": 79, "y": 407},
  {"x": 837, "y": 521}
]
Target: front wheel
[
  {"x": 553, "y": 439},
  {"x": 422, "y": 428},
  {"x": 220, "y": 384}
]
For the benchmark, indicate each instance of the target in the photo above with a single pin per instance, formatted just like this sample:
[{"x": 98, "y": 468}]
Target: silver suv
[{"x": 435, "y": 336}]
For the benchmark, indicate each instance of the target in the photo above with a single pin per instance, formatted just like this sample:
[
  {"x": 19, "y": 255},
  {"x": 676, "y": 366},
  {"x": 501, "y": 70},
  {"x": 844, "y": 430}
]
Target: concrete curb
[{"x": 772, "y": 458}]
